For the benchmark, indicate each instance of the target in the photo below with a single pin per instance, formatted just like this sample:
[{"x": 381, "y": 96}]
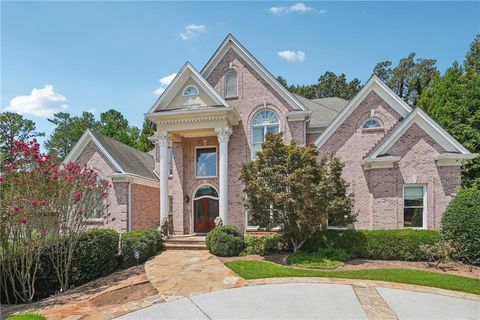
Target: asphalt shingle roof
[
  {"x": 130, "y": 159},
  {"x": 324, "y": 110}
]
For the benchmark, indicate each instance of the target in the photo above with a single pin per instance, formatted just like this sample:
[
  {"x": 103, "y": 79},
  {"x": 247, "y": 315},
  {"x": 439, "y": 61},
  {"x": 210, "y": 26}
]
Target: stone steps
[{"x": 185, "y": 243}]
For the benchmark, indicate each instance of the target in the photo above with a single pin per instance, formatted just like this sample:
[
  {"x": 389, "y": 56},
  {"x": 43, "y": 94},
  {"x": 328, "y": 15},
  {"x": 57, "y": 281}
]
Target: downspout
[{"x": 129, "y": 214}]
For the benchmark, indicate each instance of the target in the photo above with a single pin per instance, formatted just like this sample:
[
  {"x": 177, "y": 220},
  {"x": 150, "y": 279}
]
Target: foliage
[
  {"x": 146, "y": 242},
  {"x": 40, "y": 201},
  {"x": 328, "y": 257},
  {"x": 225, "y": 241},
  {"x": 328, "y": 85},
  {"x": 27, "y": 316},
  {"x": 375, "y": 244},
  {"x": 260, "y": 269},
  {"x": 148, "y": 130},
  {"x": 263, "y": 245},
  {"x": 113, "y": 124},
  {"x": 453, "y": 100},
  {"x": 96, "y": 255},
  {"x": 409, "y": 78},
  {"x": 461, "y": 226},
  {"x": 13, "y": 127},
  {"x": 67, "y": 132},
  {"x": 436, "y": 253},
  {"x": 287, "y": 187}
]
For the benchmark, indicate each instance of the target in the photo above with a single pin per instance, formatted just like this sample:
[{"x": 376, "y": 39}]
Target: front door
[{"x": 205, "y": 212}]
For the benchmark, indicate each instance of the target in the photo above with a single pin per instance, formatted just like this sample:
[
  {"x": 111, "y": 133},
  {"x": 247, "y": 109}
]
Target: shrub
[
  {"x": 263, "y": 245},
  {"x": 225, "y": 241},
  {"x": 461, "y": 226},
  {"x": 147, "y": 242},
  {"x": 436, "y": 253},
  {"x": 375, "y": 244},
  {"x": 96, "y": 255}
]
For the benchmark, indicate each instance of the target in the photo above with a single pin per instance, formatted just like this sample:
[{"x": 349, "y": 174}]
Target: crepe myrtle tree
[
  {"x": 290, "y": 187},
  {"x": 43, "y": 209}
]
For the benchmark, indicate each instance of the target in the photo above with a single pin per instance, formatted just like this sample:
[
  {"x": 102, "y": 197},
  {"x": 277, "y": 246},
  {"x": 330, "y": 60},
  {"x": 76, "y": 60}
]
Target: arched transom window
[
  {"x": 190, "y": 91},
  {"x": 231, "y": 84},
  {"x": 264, "y": 121},
  {"x": 372, "y": 124}
]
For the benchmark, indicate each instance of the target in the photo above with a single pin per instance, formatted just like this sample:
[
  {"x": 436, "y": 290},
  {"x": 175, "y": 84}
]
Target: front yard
[{"x": 249, "y": 269}]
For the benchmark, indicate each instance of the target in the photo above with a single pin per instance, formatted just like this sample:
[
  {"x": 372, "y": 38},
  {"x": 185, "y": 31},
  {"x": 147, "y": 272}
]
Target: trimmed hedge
[
  {"x": 375, "y": 244},
  {"x": 147, "y": 242},
  {"x": 461, "y": 226},
  {"x": 225, "y": 241}
]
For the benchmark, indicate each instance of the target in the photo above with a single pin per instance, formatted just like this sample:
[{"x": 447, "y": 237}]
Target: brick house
[{"x": 403, "y": 168}]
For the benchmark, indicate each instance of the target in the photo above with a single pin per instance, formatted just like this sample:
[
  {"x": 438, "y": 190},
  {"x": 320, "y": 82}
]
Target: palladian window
[
  {"x": 372, "y": 124},
  {"x": 231, "y": 84},
  {"x": 264, "y": 121},
  {"x": 190, "y": 91}
]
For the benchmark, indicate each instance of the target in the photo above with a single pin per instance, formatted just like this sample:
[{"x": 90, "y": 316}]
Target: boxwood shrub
[
  {"x": 264, "y": 244},
  {"x": 147, "y": 242},
  {"x": 225, "y": 241},
  {"x": 461, "y": 226},
  {"x": 375, "y": 244}
]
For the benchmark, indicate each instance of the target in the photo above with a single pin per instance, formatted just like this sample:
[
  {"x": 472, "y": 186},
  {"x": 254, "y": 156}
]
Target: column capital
[
  {"x": 223, "y": 134},
  {"x": 160, "y": 137}
]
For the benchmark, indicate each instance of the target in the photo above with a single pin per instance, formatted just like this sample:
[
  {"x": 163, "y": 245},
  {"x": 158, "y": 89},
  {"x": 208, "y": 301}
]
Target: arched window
[
  {"x": 205, "y": 208},
  {"x": 206, "y": 190},
  {"x": 190, "y": 91},
  {"x": 264, "y": 121},
  {"x": 372, "y": 124},
  {"x": 231, "y": 84}
]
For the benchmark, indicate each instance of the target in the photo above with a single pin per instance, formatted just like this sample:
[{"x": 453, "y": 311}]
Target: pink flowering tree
[{"x": 42, "y": 205}]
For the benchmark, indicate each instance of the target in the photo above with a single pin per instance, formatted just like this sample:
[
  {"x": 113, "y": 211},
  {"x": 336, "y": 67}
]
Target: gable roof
[
  {"x": 231, "y": 43},
  {"x": 433, "y": 129},
  {"x": 186, "y": 72},
  {"x": 380, "y": 88},
  {"x": 125, "y": 159}
]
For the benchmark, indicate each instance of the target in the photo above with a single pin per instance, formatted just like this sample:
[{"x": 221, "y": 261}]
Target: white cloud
[
  {"x": 297, "y": 7},
  {"x": 288, "y": 55},
  {"x": 191, "y": 30},
  {"x": 164, "y": 82},
  {"x": 41, "y": 102},
  {"x": 92, "y": 110},
  {"x": 322, "y": 11}
]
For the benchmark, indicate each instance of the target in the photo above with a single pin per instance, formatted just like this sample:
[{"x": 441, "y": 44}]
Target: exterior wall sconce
[{"x": 187, "y": 198}]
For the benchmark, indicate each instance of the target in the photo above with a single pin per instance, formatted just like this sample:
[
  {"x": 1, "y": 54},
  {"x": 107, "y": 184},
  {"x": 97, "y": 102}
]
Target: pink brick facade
[{"x": 145, "y": 207}]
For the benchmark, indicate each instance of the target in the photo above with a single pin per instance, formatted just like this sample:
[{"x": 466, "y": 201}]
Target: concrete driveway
[{"x": 310, "y": 301}]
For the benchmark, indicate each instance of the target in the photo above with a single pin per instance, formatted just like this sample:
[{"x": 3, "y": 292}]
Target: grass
[
  {"x": 27, "y": 316},
  {"x": 260, "y": 269},
  {"x": 325, "y": 258}
]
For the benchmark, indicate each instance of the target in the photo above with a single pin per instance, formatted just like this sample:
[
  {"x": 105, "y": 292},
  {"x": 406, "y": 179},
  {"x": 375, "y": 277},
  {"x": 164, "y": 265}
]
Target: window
[
  {"x": 372, "y": 124},
  {"x": 264, "y": 121},
  {"x": 190, "y": 91},
  {"x": 206, "y": 162},
  {"x": 414, "y": 207},
  {"x": 231, "y": 83},
  {"x": 170, "y": 204},
  {"x": 170, "y": 161}
]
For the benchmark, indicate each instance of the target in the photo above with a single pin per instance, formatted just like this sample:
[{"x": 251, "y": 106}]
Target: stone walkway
[{"x": 180, "y": 273}]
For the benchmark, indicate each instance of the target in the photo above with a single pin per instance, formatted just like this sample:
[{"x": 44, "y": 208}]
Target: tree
[
  {"x": 13, "y": 127},
  {"x": 148, "y": 130},
  {"x": 287, "y": 187},
  {"x": 409, "y": 77},
  {"x": 67, "y": 132},
  {"x": 113, "y": 124},
  {"x": 472, "y": 60}
]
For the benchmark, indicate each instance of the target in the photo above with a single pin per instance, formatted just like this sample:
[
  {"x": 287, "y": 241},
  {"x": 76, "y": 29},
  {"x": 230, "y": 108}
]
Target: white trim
[
  {"x": 190, "y": 95},
  {"x": 429, "y": 126},
  {"x": 380, "y": 88},
  {"x": 225, "y": 84},
  {"x": 216, "y": 160},
  {"x": 264, "y": 126},
  {"x": 186, "y": 72},
  {"x": 298, "y": 115},
  {"x": 82, "y": 143},
  {"x": 372, "y": 128},
  {"x": 425, "y": 205},
  {"x": 192, "y": 214},
  {"x": 453, "y": 159},
  {"x": 231, "y": 42},
  {"x": 130, "y": 177},
  {"x": 378, "y": 163}
]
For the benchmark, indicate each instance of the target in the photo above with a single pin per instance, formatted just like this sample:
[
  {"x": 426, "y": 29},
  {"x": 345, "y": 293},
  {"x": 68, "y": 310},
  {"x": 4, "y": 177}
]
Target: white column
[
  {"x": 163, "y": 146},
  {"x": 223, "y": 135}
]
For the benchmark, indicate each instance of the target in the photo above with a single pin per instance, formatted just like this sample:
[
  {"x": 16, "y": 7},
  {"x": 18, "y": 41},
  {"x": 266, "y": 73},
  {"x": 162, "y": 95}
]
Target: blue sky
[{"x": 76, "y": 56}]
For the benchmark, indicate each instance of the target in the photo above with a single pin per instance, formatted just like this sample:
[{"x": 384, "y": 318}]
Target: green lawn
[
  {"x": 260, "y": 269},
  {"x": 28, "y": 316}
]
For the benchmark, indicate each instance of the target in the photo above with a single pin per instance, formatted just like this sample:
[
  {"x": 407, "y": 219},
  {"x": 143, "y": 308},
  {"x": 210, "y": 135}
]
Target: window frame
[
  {"x": 216, "y": 161},
  {"x": 381, "y": 127},
  {"x": 424, "y": 206},
  {"x": 190, "y": 95},
  {"x": 264, "y": 126},
  {"x": 236, "y": 84}
]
